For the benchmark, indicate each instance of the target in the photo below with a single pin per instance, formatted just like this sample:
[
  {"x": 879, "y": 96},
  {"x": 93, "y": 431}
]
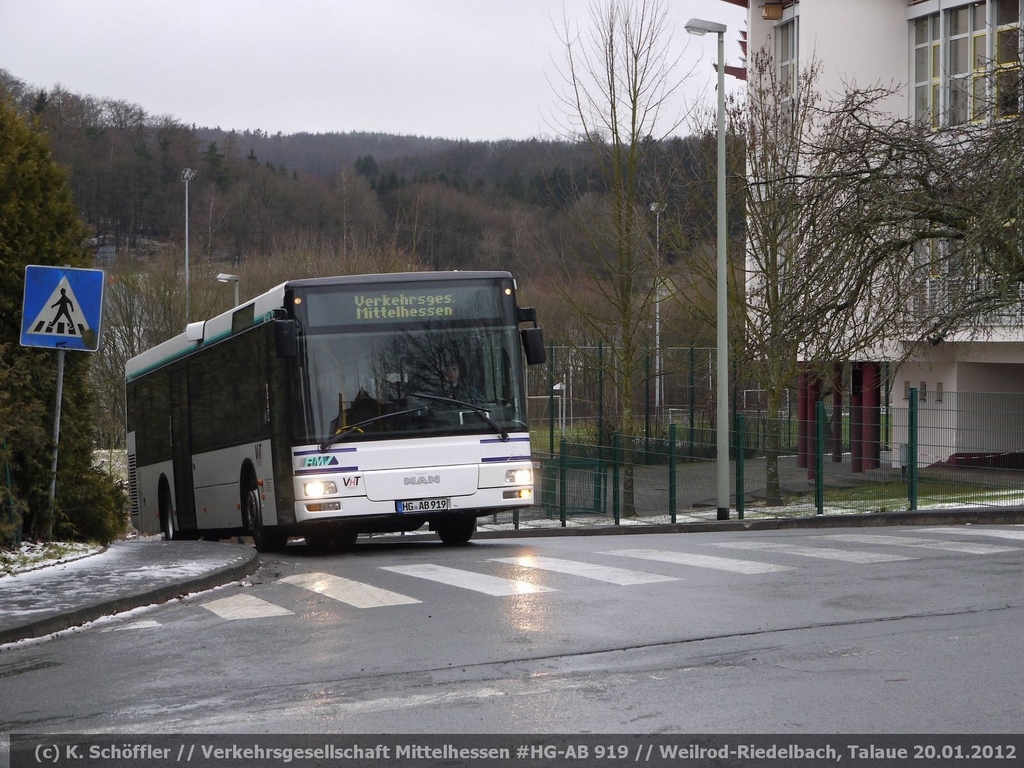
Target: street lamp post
[
  {"x": 701, "y": 27},
  {"x": 657, "y": 208},
  {"x": 224, "y": 277},
  {"x": 187, "y": 175}
]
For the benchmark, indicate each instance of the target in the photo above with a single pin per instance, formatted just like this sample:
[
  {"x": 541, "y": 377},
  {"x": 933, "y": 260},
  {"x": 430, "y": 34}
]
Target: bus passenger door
[{"x": 181, "y": 444}]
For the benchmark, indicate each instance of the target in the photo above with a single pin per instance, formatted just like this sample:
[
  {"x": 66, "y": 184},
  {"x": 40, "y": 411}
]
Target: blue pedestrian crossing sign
[{"x": 63, "y": 308}]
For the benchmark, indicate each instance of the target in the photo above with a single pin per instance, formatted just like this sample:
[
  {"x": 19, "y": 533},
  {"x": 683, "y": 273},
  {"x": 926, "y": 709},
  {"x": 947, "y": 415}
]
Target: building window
[
  {"x": 1007, "y": 58},
  {"x": 967, "y": 63},
  {"x": 787, "y": 58},
  {"x": 958, "y": 63},
  {"x": 927, "y": 72}
]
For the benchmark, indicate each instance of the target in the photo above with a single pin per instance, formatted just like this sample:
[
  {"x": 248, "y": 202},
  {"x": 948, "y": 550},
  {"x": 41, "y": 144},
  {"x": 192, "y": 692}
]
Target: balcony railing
[{"x": 983, "y": 300}]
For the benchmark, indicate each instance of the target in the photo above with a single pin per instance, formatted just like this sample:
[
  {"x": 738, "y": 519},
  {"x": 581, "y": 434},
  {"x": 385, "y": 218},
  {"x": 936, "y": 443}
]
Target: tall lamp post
[
  {"x": 701, "y": 27},
  {"x": 656, "y": 209},
  {"x": 224, "y": 277},
  {"x": 187, "y": 175}
]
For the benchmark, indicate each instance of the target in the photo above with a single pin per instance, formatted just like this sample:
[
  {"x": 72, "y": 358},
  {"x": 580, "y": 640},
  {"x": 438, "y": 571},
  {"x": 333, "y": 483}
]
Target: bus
[{"x": 319, "y": 409}]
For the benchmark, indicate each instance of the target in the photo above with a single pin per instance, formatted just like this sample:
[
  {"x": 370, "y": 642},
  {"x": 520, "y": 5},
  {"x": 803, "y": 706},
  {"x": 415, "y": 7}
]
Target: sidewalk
[
  {"x": 129, "y": 574},
  {"x": 148, "y": 570}
]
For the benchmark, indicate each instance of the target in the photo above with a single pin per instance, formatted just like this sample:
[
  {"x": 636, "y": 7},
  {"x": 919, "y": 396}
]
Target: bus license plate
[{"x": 422, "y": 505}]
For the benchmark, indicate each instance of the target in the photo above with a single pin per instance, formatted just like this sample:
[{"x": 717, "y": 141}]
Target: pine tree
[{"x": 39, "y": 225}]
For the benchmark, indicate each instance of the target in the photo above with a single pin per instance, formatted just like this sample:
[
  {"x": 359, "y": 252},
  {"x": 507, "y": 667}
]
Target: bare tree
[
  {"x": 836, "y": 200},
  {"x": 619, "y": 81}
]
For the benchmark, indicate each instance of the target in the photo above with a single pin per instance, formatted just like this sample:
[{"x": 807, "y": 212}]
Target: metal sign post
[{"x": 62, "y": 310}]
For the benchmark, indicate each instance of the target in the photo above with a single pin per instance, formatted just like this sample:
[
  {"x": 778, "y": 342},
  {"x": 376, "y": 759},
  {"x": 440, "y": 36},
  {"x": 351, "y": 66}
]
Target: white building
[{"x": 952, "y": 61}]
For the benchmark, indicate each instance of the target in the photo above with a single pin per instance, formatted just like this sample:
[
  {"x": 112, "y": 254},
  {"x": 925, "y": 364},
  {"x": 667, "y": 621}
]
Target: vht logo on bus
[
  {"x": 422, "y": 480},
  {"x": 320, "y": 461}
]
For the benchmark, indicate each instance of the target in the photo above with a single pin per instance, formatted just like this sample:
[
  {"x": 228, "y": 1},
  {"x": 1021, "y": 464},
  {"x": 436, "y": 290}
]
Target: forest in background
[{"x": 340, "y": 202}]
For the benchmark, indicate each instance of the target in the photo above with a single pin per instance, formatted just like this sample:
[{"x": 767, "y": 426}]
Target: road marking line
[
  {"x": 478, "y": 582},
  {"x": 970, "y": 548},
  {"x": 244, "y": 607},
  {"x": 353, "y": 593},
  {"x": 996, "y": 534},
  {"x": 701, "y": 561},
  {"x": 823, "y": 553},
  {"x": 611, "y": 574}
]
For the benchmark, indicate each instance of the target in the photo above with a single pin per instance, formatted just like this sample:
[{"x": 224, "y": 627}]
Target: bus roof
[{"x": 199, "y": 334}]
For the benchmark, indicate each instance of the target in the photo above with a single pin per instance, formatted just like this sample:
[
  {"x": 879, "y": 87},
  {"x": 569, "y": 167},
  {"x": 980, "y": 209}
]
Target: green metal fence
[{"x": 964, "y": 450}]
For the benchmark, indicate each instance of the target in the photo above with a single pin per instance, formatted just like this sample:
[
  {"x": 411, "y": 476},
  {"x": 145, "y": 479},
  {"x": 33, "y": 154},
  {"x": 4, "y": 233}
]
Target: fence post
[
  {"x": 551, "y": 398},
  {"x": 693, "y": 405},
  {"x": 562, "y": 492},
  {"x": 672, "y": 471},
  {"x": 647, "y": 410},
  {"x": 741, "y": 450},
  {"x": 600, "y": 396},
  {"x": 819, "y": 456},
  {"x": 616, "y": 446},
  {"x": 912, "y": 450}
]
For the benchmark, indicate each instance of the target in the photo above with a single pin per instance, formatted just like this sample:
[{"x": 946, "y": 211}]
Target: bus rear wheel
[
  {"x": 457, "y": 529},
  {"x": 166, "y": 514},
  {"x": 264, "y": 539}
]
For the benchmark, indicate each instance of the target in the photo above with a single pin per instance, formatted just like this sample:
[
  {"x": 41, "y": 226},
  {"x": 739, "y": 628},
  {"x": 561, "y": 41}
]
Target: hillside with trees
[{"x": 434, "y": 203}]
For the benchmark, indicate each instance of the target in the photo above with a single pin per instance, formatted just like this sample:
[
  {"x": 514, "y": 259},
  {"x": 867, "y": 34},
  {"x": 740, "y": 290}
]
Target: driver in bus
[{"x": 456, "y": 388}]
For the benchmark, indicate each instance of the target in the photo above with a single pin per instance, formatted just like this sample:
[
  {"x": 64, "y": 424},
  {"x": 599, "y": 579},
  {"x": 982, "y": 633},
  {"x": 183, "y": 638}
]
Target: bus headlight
[
  {"x": 317, "y": 488},
  {"x": 519, "y": 476}
]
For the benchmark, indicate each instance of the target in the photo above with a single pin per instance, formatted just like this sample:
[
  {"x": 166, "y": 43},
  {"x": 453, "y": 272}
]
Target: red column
[
  {"x": 872, "y": 435},
  {"x": 801, "y": 421},
  {"x": 813, "y": 395},
  {"x": 856, "y": 417},
  {"x": 837, "y": 412}
]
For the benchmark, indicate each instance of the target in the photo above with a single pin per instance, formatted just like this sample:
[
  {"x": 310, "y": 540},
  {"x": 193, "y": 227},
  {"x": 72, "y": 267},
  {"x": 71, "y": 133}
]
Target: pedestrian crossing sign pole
[{"x": 62, "y": 310}]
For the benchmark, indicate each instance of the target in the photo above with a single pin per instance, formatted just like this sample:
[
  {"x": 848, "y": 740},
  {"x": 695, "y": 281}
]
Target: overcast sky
[{"x": 458, "y": 69}]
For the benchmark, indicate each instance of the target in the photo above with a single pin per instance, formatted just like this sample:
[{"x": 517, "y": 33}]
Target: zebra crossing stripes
[
  {"x": 244, "y": 607},
  {"x": 994, "y": 533},
  {"x": 748, "y": 567},
  {"x": 611, "y": 574},
  {"x": 824, "y": 553},
  {"x": 965, "y": 547},
  {"x": 477, "y": 582},
  {"x": 353, "y": 593},
  {"x": 362, "y": 595}
]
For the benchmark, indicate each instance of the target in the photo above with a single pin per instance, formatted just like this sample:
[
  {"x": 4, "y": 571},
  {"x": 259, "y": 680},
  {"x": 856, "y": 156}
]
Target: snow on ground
[{"x": 31, "y": 556}]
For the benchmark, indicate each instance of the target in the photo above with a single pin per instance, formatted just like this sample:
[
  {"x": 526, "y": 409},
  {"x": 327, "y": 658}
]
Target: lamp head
[{"x": 701, "y": 27}]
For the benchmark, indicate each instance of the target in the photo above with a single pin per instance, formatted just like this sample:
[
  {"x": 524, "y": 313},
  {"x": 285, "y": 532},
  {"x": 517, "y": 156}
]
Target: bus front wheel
[
  {"x": 264, "y": 539},
  {"x": 457, "y": 529}
]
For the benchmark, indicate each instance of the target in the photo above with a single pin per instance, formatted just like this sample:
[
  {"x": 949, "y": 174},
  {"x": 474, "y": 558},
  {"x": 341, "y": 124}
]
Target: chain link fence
[{"x": 939, "y": 450}]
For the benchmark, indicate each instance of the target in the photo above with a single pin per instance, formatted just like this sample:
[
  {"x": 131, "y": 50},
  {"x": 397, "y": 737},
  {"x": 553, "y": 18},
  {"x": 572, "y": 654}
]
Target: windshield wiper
[
  {"x": 482, "y": 412},
  {"x": 350, "y": 428}
]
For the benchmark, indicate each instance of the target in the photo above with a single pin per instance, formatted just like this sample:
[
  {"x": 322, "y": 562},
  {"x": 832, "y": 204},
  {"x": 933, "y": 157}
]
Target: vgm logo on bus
[
  {"x": 320, "y": 461},
  {"x": 422, "y": 480}
]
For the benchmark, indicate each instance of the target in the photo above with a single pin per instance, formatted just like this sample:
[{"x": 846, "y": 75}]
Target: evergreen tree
[{"x": 39, "y": 225}]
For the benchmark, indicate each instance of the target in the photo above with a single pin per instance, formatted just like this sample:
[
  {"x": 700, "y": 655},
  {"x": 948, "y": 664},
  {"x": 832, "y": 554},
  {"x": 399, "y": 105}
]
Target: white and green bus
[{"x": 319, "y": 409}]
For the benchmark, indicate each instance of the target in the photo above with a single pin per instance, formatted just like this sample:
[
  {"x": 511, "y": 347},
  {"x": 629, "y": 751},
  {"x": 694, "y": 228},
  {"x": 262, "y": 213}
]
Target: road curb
[{"x": 77, "y": 617}]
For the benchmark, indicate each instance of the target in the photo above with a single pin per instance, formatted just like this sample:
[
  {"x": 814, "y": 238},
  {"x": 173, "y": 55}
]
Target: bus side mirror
[
  {"x": 286, "y": 338},
  {"x": 533, "y": 345}
]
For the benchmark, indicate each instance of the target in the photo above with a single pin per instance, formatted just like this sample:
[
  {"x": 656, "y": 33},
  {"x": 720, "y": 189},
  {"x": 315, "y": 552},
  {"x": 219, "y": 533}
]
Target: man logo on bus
[
  {"x": 427, "y": 480},
  {"x": 320, "y": 461}
]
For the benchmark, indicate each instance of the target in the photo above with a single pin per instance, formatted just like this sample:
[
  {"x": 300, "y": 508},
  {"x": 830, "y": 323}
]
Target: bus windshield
[{"x": 420, "y": 377}]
